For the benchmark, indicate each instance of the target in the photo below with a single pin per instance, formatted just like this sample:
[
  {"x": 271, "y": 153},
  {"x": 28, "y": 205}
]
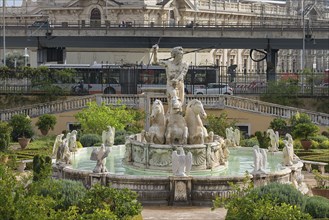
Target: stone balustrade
[{"x": 139, "y": 101}]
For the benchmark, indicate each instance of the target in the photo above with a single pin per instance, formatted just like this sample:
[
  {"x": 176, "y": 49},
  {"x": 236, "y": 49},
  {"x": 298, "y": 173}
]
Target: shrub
[
  {"x": 120, "y": 137},
  {"x": 22, "y": 127},
  {"x": 246, "y": 203},
  {"x": 281, "y": 193},
  {"x": 324, "y": 145},
  {"x": 317, "y": 207},
  {"x": 218, "y": 124},
  {"x": 66, "y": 193},
  {"x": 122, "y": 202},
  {"x": 319, "y": 138},
  {"x": 88, "y": 140},
  {"x": 249, "y": 142},
  {"x": 5, "y": 131},
  {"x": 279, "y": 124},
  {"x": 46, "y": 122},
  {"x": 41, "y": 167},
  {"x": 263, "y": 139}
]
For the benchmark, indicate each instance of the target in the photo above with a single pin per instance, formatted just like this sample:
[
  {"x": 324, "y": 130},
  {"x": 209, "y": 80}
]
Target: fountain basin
[{"x": 161, "y": 188}]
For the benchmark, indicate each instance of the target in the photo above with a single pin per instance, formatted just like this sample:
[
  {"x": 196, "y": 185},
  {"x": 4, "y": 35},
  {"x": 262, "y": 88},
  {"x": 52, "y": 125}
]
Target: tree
[
  {"x": 96, "y": 118},
  {"x": 219, "y": 124}
]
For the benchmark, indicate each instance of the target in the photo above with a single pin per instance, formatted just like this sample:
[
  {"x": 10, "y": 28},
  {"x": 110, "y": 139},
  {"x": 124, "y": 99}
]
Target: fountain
[{"x": 149, "y": 163}]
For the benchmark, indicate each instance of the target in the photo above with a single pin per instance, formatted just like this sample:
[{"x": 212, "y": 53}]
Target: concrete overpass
[{"x": 283, "y": 36}]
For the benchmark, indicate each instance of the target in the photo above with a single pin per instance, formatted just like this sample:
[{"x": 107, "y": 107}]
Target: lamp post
[
  {"x": 26, "y": 56},
  {"x": 4, "y": 31}
]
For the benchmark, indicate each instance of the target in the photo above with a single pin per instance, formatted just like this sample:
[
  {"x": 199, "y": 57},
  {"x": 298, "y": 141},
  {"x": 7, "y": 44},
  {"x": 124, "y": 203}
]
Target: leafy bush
[
  {"x": 263, "y": 139},
  {"x": 5, "y": 131},
  {"x": 122, "y": 202},
  {"x": 218, "y": 124},
  {"x": 281, "y": 193},
  {"x": 319, "y": 138},
  {"x": 96, "y": 118},
  {"x": 317, "y": 207},
  {"x": 324, "y": 145},
  {"x": 279, "y": 124},
  {"x": 41, "y": 167},
  {"x": 46, "y": 122},
  {"x": 88, "y": 140},
  {"x": 66, "y": 193},
  {"x": 120, "y": 137},
  {"x": 249, "y": 142},
  {"x": 246, "y": 203},
  {"x": 22, "y": 127}
]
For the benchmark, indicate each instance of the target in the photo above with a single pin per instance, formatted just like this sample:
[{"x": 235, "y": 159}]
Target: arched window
[{"x": 95, "y": 18}]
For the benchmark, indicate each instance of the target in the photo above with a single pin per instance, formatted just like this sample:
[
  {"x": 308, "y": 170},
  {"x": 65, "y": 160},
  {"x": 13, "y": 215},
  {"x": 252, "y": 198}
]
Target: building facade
[{"x": 177, "y": 13}]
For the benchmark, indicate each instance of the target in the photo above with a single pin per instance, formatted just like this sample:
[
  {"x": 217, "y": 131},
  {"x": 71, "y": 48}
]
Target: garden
[{"x": 43, "y": 197}]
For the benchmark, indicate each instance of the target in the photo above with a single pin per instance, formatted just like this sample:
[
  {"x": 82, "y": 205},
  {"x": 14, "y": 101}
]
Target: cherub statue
[
  {"x": 181, "y": 163},
  {"x": 58, "y": 142},
  {"x": 99, "y": 155},
  {"x": 288, "y": 151},
  {"x": 274, "y": 136},
  {"x": 73, "y": 141},
  {"x": 260, "y": 159},
  {"x": 108, "y": 136}
]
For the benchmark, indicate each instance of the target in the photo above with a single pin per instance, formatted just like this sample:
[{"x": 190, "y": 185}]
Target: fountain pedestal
[{"x": 180, "y": 190}]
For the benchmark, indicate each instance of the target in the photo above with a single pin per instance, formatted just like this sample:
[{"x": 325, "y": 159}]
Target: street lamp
[
  {"x": 4, "y": 31},
  {"x": 26, "y": 56}
]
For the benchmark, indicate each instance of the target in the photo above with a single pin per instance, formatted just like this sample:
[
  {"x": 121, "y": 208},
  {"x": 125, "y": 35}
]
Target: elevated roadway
[{"x": 285, "y": 36}]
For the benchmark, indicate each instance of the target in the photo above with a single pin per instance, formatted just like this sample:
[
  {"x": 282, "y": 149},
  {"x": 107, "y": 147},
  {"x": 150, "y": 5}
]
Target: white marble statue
[
  {"x": 63, "y": 153},
  {"x": 260, "y": 159},
  {"x": 230, "y": 137},
  {"x": 176, "y": 70},
  {"x": 288, "y": 151},
  {"x": 197, "y": 133},
  {"x": 237, "y": 137},
  {"x": 176, "y": 131},
  {"x": 100, "y": 155},
  {"x": 72, "y": 141},
  {"x": 156, "y": 133},
  {"x": 57, "y": 143},
  {"x": 274, "y": 136},
  {"x": 108, "y": 136},
  {"x": 181, "y": 163}
]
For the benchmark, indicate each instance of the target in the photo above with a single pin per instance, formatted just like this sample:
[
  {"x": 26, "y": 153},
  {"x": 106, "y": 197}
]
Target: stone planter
[
  {"x": 23, "y": 142},
  {"x": 306, "y": 144},
  {"x": 321, "y": 192},
  {"x": 44, "y": 132}
]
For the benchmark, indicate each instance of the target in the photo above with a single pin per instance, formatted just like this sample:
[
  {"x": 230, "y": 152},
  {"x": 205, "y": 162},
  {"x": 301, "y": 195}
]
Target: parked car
[
  {"x": 40, "y": 24},
  {"x": 214, "y": 88}
]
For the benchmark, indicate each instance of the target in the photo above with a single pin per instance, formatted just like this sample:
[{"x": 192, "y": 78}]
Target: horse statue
[
  {"x": 197, "y": 132},
  {"x": 156, "y": 133},
  {"x": 176, "y": 131}
]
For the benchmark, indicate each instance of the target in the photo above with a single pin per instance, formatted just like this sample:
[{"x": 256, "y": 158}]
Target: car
[
  {"x": 40, "y": 24},
  {"x": 214, "y": 88}
]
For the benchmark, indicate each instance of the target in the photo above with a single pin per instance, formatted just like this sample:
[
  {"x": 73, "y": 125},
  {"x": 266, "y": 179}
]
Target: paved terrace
[{"x": 143, "y": 101}]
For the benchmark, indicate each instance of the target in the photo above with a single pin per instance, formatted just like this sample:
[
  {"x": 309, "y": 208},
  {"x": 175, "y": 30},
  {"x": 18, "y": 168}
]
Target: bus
[{"x": 129, "y": 79}]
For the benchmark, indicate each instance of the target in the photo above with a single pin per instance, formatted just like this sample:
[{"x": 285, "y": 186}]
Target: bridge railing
[{"x": 290, "y": 23}]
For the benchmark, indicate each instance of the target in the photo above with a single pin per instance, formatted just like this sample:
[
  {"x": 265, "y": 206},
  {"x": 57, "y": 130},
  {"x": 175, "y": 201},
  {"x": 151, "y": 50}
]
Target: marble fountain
[{"x": 176, "y": 161}]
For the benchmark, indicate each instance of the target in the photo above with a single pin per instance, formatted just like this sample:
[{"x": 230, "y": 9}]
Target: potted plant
[
  {"x": 322, "y": 184},
  {"x": 45, "y": 123},
  {"x": 302, "y": 128},
  {"x": 22, "y": 129}
]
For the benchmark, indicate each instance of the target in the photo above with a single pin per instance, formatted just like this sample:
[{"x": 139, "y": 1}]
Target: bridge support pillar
[{"x": 271, "y": 59}]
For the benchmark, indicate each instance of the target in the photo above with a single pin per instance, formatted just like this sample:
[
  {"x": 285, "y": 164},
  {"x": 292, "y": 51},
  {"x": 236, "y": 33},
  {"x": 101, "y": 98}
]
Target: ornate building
[{"x": 177, "y": 13}]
